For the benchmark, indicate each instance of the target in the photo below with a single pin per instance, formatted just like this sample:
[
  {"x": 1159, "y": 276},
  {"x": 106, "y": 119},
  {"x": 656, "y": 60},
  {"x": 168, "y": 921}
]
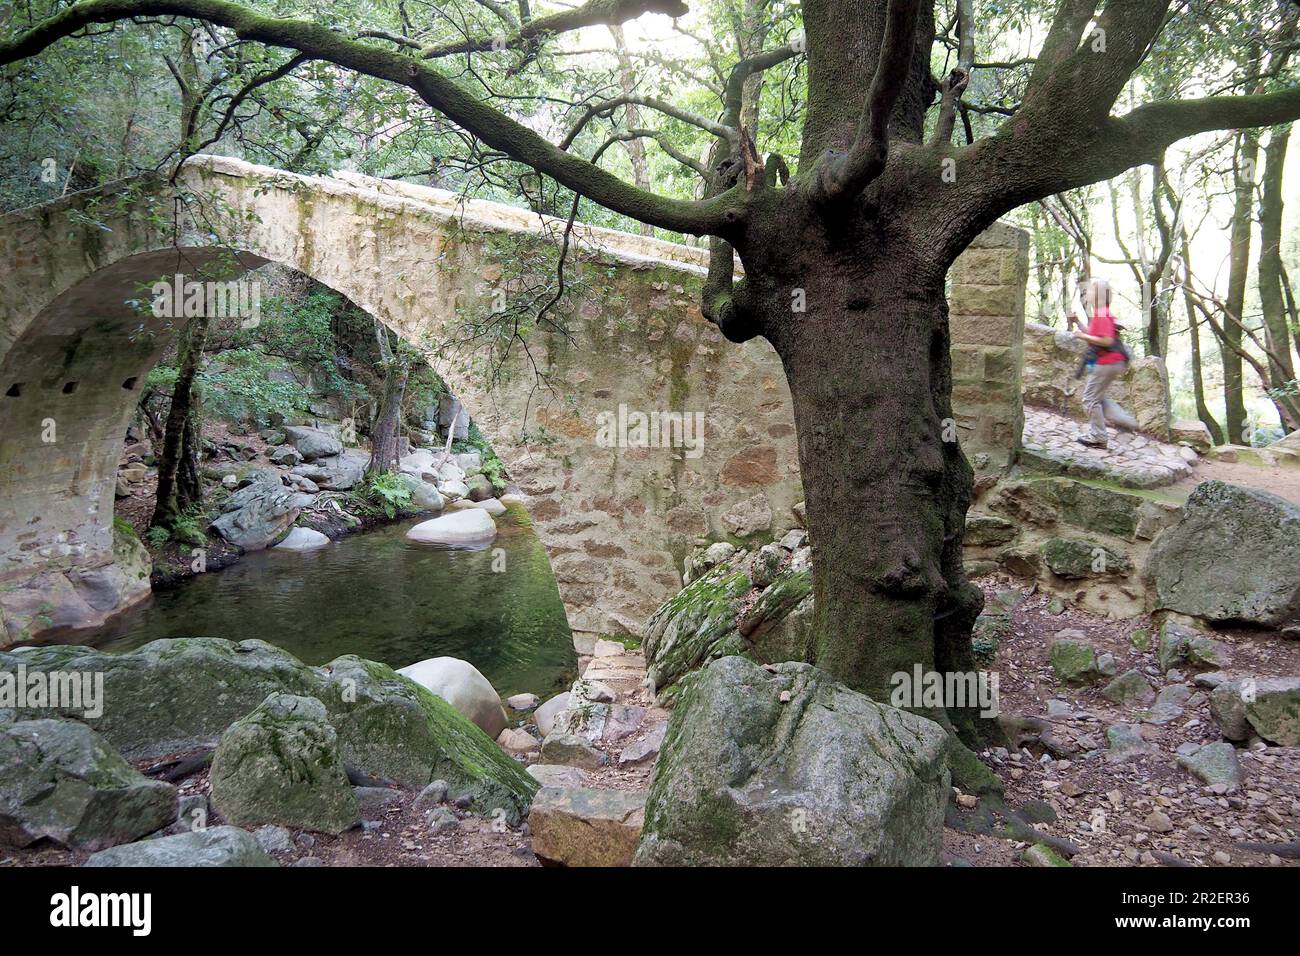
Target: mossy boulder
[
  {"x": 1129, "y": 687},
  {"x": 176, "y": 695},
  {"x": 60, "y": 780},
  {"x": 392, "y": 727},
  {"x": 1040, "y": 854},
  {"x": 1073, "y": 661},
  {"x": 281, "y": 764},
  {"x": 1234, "y": 557},
  {"x": 988, "y": 530},
  {"x": 695, "y": 626},
  {"x": 785, "y": 766},
  {"x": 702, "y": 623},
  {"x": 1074, "y": 558},
  {"x": 1182, "y": 646},
  {"x": 1267, "y": 706}
]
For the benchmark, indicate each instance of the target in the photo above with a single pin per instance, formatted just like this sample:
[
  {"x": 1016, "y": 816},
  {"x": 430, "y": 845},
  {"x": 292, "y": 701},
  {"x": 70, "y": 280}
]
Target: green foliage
[
  {"x": 242, "y": 385},
  {"x": 190, "y": 527},
  {"x": 493, "y": 468},
  {"x": 157, "y": 536},
  {"x": 386, "y": 491}
]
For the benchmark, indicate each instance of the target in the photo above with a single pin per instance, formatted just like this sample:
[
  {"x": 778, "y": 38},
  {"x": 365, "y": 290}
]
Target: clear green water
[{"x": 381, "y": 597}]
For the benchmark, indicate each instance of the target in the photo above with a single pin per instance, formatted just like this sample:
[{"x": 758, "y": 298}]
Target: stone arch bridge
[{"x": 617, "y": 521}]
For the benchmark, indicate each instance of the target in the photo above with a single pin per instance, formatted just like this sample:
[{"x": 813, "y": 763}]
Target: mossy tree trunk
[{"x": 179, "y": 485}]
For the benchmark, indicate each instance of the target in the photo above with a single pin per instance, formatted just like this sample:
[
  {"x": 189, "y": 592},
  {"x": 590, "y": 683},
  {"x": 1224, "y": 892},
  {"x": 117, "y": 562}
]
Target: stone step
[{"x": 586, "y": 826}]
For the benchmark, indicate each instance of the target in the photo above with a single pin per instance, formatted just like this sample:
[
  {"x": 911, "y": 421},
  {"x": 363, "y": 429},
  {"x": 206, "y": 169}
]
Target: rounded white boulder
[
  {"x": 303, "y": 539},
  {"x": 468, "y": 526},
  {"x": 460, "y": 684}
]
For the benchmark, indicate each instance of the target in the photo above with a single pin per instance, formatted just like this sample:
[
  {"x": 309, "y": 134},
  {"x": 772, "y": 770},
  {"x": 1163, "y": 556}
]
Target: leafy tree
[{"x": 846, "y": 235}]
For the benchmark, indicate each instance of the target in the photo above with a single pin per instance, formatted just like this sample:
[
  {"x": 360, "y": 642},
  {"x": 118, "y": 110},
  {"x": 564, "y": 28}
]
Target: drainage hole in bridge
[
  {"x": 14, "y": 390},
  {"x": 69, "y": 388}
]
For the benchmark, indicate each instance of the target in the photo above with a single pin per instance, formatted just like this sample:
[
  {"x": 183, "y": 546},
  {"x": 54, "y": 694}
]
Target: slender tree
[{"x": 844, "y": 259}]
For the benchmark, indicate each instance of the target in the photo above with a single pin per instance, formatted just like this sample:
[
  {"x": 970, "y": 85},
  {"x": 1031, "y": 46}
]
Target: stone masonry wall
[
  {"x": 987, "y": 322},
  {"x": 617, "y": 520}
]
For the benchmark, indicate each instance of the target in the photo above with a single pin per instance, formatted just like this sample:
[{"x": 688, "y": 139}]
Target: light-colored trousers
[{"x": 1101, "y": 409}]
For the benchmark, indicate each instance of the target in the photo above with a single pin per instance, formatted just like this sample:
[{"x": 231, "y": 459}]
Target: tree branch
[
  {"x": 718, "y": 215},
  {"x": 849, "y": 174},
  {"x": 591, "y": 13},
  {"x": 734, "y": 94}
]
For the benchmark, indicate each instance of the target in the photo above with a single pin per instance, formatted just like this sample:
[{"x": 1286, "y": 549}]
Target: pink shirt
[{"x": 1103, "y": 326}]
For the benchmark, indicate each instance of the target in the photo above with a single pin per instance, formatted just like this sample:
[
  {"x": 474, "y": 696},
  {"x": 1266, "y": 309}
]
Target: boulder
[
  {"x": 545, "y": 714},
  {"x": 516, "y": 741},
  {"x": 643, "y": 750},
  {"x": 176, "y": 695},
  {"x": 1129, "y": 687},
  {"x": 215, "y": 846},
  {"x": 303, "y": 539},
  {"x": 285, "y": 455},
  {"x": 571, "y": 750},
  {"x": 1267, "y": 706},
  {"x": 312, "y": 443},
  {"x": 478, "y": 488},
  {"x": 785, "y": 766},
  {"x": 281, "y": 764},
  {"x": 558, "y": 775},
  {"x": 455, "y": 490},
  {"x": 1215, "y": 764},
  {"x": 492, "y": 506},
  {"x": 60, "y": 780},
  {"x": 1193, "y": 434},
  {"x": 1125, "y": 741},
  {"x": 259, "y": 515},
  {"x": 1073, "y": 661},
  {"x": 1074, "y": 558},
  {"x": 706, "y": 559},
  {"x": 172, "y": 696},
  {"x": 695, "y": 626},
  {"x": 1234, "y": 557},
  {"x": 988, "y": 530},
  {"x": 466, "y": 527},
  {"x": 424, "y": 495},
  {"x": 577, "y": 826},
  {"x": 523, "y": 702},
  {"x": 468, "y": 460},
  {"x": 336, "y": 472},
  {"x": 460, "y": 684},
  {"x": 1181, "y": 646}
]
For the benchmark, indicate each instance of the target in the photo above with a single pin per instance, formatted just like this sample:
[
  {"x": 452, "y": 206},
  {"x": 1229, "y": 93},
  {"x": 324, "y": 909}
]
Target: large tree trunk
[
  {"x": 384, "y": 433},
  {"x": 869, "y": 372},
  {"x": 1281, "y": 370},
  {"x": 1193, "y": 330},
  {"x": 1234, "y": 399},
  {"x": 178, "y": 482}
]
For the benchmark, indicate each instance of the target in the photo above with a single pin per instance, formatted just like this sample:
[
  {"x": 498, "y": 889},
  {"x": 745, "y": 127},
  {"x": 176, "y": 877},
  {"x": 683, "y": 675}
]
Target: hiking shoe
[{"x": 1090, "y": 442}]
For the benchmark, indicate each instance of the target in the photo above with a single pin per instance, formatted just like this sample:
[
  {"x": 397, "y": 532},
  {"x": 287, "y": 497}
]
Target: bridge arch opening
[
  {"x": 60, "y": 461},
  {"x": 617, "y": 517}
]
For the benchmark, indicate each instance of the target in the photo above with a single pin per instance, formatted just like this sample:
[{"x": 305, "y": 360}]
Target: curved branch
[
  {"x": 718, "y": 215},
  {"x": 850, "y": 174},
  {"x": 734, "y": 93},
  {"x": 592, "y": 13},
  {"x": 728, "y": 133},
  {"x": 723, "y": 297},
  {"x": 627, "y": 135}
]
